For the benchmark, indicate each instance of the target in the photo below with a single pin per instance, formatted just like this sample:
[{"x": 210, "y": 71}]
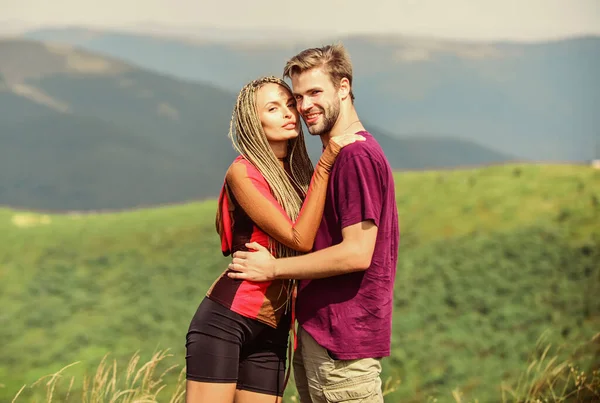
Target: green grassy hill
[
  {"x": 490, "y": 259},
  {"x": 531, "y": 100}
]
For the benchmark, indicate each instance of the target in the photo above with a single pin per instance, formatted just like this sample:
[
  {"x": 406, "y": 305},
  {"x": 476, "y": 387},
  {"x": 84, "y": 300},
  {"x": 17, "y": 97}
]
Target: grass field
[{"x": 496, "y": 264}]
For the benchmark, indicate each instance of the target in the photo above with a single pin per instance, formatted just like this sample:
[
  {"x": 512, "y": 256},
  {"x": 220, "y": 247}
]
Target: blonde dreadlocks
[{"x": 249, "y": 139}]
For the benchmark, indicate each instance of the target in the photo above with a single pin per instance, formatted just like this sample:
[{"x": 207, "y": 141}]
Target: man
[{"x": 345, "y": 296}]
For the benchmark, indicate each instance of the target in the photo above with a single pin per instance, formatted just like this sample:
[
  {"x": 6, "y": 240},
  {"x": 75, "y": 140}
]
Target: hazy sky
[{"x": 472, "y": 19}]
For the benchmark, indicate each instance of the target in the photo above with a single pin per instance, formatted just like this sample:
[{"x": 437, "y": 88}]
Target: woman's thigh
[{"x": 263, "y": 363}]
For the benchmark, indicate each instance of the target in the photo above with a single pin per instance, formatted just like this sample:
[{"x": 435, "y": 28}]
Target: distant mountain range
[
  {"x": 531, "y": 100},
  {"x": 82, "y": 131}
]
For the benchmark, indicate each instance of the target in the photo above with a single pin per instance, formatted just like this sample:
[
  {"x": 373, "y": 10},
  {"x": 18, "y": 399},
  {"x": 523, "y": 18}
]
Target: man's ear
[{"x": 344, "y": 88}]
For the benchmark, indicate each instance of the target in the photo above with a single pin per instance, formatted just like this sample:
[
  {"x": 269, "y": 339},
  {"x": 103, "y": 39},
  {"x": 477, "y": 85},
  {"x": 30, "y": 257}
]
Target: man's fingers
[
  {"x": 236, "y": 267},
  {"x": 353, "y": 138},
  {"x": 240, "y": 254},
  {"x": 255, "y": 246},
  {"x": 237, "y": 260},
  {"x": 237, "y": 276},
  {"x": 347, "y": 139}
]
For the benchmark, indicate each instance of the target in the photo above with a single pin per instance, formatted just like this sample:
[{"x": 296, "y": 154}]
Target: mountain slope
[
  {"x": 533, "y": 101},
  {"x": 83, "y": 163},
  {"x": 434, "y": 152},
  {"x": 84, "y": 131}
]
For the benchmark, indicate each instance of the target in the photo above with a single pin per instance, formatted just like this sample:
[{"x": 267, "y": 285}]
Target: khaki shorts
[{"x": 321, "y": 379}]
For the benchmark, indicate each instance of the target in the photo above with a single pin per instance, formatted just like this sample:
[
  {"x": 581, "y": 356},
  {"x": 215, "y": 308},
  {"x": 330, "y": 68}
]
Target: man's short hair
[{"x": 334, "y": 59}]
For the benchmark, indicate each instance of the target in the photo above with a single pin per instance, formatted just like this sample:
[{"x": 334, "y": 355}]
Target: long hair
[{"x": 249, "y": 139}]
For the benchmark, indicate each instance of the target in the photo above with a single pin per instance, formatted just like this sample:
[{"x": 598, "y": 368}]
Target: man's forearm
[{"x": 335, "y": 260}]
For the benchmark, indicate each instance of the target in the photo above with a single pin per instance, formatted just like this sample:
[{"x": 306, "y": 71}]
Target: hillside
[
  {"x": 80, "y": 131},
  {"x": 434, "y": 152},
  {"x": 530, "y": 100},
  {"x": 490, "y": 259}
]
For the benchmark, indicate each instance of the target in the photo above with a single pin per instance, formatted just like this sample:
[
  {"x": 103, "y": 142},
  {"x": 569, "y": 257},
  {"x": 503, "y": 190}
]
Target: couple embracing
[{"x": 317, "y": 245}]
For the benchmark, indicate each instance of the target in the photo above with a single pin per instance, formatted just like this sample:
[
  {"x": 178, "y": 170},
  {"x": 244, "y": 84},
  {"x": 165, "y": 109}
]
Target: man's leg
[
  {"x": 332, "y": 380},
  {"x": 300, "y": 373}
]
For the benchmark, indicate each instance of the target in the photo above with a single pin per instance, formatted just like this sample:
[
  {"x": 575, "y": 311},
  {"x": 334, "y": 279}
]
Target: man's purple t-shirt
[{"x": 351, "y": 314}]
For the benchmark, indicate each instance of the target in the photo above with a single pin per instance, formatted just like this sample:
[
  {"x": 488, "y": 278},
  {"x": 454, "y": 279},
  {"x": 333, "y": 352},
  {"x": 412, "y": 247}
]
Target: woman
[{"x": 237, "y": 340}]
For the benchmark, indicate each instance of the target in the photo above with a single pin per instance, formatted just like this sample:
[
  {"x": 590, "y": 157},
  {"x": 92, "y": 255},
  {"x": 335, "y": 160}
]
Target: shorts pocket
[{"x": 361, "y": 389}]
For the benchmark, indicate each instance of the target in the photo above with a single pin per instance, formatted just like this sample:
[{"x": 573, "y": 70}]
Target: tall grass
[
  {"x": 546, "y": 379},
  {"x": 133, "y": 384}
]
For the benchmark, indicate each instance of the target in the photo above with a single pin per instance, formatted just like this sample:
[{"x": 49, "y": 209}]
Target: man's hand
[{"x": 253, "y": 266}]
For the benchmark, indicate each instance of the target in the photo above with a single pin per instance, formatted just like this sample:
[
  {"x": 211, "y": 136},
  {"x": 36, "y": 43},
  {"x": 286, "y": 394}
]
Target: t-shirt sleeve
[
  {"x": 359, "y": 191},
  {"x": 254, "y": 197}
]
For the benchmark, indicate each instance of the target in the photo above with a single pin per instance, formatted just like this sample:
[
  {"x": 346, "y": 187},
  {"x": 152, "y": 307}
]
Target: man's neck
[{"x": 350, "y": 123}]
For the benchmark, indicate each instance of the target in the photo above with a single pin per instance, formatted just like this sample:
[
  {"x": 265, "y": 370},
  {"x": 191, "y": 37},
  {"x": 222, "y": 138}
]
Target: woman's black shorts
[{"x": 223, "y": 346}]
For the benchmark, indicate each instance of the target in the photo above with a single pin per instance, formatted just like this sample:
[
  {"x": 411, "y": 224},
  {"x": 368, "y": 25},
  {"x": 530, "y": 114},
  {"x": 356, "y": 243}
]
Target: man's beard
[{"x": 330, "y": 117}]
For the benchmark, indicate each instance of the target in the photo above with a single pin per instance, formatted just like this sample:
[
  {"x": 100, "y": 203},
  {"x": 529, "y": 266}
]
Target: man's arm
[{"x": 353, "y": 254}]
